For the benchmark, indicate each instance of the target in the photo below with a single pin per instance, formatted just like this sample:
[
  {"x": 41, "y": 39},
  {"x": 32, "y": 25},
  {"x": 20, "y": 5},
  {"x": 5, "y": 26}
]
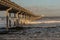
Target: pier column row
[{"x": 24, "y": 18}]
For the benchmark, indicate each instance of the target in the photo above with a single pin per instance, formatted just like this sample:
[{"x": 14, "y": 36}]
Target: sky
[
  {"x": 41, "y": 3},
  {"x": 45, "y": 3}
]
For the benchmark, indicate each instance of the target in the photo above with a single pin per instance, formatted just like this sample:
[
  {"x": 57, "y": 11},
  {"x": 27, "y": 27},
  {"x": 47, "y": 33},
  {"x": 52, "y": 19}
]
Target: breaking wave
[{"x": 38, "y": 22}]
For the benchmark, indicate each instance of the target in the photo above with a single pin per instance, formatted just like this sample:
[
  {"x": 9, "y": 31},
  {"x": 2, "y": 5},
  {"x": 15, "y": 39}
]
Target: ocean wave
[{"x": 38, "y": 22}]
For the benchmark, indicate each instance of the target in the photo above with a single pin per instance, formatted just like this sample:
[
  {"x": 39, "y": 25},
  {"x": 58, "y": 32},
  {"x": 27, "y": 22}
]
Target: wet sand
[{"x": 35, "y": 33}]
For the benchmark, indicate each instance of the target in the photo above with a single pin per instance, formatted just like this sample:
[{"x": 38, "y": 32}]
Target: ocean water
[
  {"x": 47, "y": 28},
  {"x": 43, "y": 22},
  {"x": 46, "y": 22}
]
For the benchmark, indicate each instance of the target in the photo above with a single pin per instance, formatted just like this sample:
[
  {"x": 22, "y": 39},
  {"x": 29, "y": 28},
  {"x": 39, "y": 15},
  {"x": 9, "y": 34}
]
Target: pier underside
[{"x": 3, "y": 8}]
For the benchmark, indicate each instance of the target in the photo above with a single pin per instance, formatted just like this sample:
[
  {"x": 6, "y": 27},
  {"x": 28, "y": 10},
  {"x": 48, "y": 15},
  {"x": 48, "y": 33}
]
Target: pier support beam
[
  {"x": 17, "y": 19},
  {"x": 8, "y": 20},
  {"x": 14, "y": 19},
  {"x": 21, "y": 17}
]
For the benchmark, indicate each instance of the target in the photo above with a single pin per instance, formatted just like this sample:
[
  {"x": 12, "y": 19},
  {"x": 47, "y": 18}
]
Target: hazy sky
[
  {"x": 47, "y": 3},
  {"x": 42, "y": 3}
]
